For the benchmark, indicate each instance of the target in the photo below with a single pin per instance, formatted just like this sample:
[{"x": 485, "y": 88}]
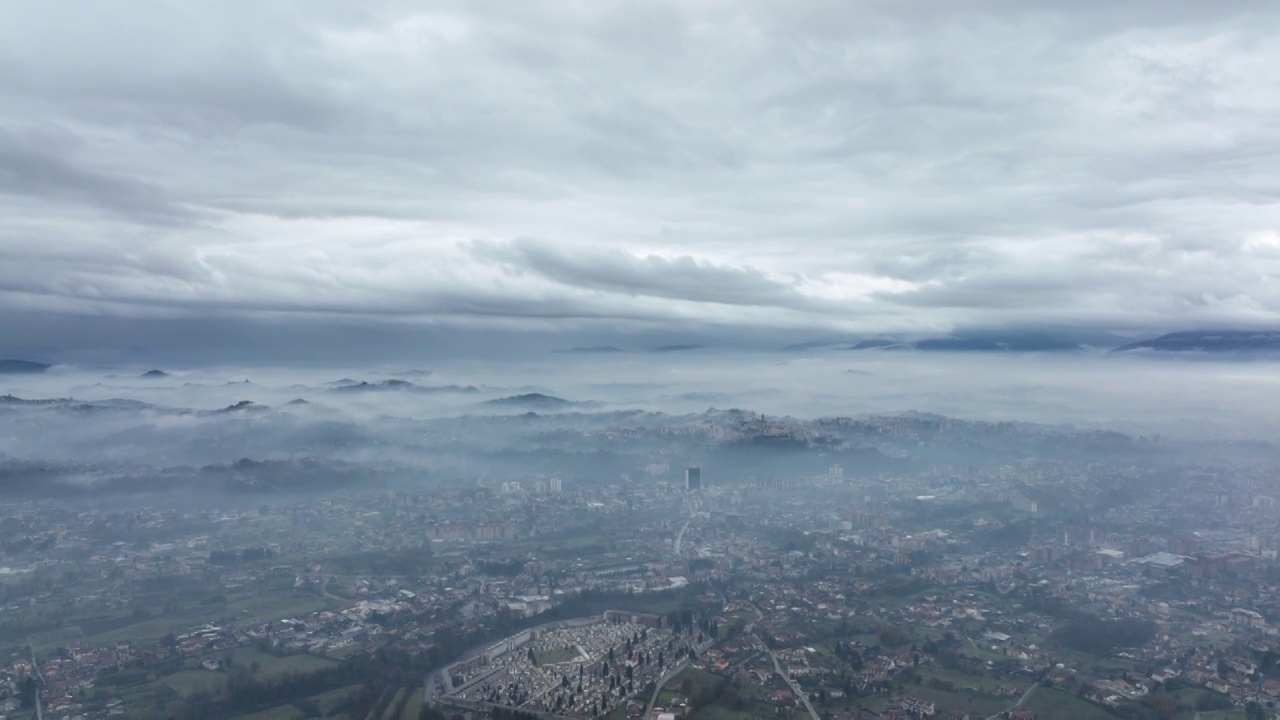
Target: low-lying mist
[{"x": 463, "y": 421}]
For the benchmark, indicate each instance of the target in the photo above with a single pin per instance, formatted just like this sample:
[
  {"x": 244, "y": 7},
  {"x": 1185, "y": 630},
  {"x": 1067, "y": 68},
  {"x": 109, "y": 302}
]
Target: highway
[
  {"x": 680, "y": 537},
  {"x": 679, "y": 543}
]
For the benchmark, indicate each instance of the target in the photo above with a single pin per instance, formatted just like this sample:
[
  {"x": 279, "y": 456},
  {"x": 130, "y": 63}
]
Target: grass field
[
  {"x": 1190, "y": 698},
  {"x": 698, "y": 679},
  {"x": 270, "y": 665},
  {"x": 389, "y": 713},
  {"x": 268, "y": 607},
  {"x": 558, "y": 655},
  {"x": 183, "y": 683},
  {"x": 715, "y": 711},
  {"x": 414, "y": 706},
  {"x": 283, "y": 712},
  {"x": 328, "y": 702},
  {"x": 186, "y": 682},
  {"x": 978, "y": 705},
  {"x": 344, "y": 652},
  {"x": 1054, "y": 704},
  {"x": 754, "y": 700},
  {"x": 984, "y": 683},
  {"x": 1233, "y": 714},
  {"x": 243, "y": 610},
  {"x": 143, "y": 698}
]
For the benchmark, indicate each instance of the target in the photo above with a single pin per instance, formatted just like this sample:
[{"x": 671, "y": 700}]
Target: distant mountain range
[
  {"x": 243, "y": 406},
  {"x": 393, "y": 385},
  {"x": 593, "y": 349},
  {"x": 530, "y": 401},
  {"x": 612, "y": 349},
  {"x": 967, "y": 342},
  {"x": 1210, "y": 341},
  {"x": 22, "y": 367},
  {"x": 1202, "y": 341}
]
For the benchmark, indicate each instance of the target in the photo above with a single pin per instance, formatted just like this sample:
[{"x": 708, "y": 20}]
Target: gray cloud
[
  {"x": 29, "y": 167},
  {"x": 835, "y": 167},
  {"x": 680, "y": 278}
]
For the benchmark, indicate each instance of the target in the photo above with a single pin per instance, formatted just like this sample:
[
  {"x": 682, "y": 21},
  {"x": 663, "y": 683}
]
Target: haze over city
[{"x": 641, "y": 360}]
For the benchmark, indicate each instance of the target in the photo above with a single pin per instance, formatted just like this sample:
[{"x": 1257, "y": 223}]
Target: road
[
  {"x": 777, "y": 666},
  {"x": 675, "y": 670},
  {"x": 1018, "y": 704},
  {"x": 324, "y": 589},
  {"x": 680, "y": 537},
  {"x": 676, "y": 547},
  {"x": 653, "y": 699},
  {"x": 35, "y": 664},
  {"x": 804, "y": 696}
]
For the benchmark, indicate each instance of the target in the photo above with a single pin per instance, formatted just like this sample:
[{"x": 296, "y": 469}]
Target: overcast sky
[{"x": 807, "y": 166}]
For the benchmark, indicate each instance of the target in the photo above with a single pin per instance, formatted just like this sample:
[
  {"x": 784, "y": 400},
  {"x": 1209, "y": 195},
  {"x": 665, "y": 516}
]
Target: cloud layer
[{"x": 847, "y": 167}]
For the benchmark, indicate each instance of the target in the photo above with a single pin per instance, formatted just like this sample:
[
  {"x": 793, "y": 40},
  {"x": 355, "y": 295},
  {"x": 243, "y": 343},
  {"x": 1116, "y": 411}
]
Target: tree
[
  {"x": 892, "y": 635},
  {"x": 27, "y": 692}
]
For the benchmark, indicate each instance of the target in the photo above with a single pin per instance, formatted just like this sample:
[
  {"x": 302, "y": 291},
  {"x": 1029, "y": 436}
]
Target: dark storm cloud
[{"x": 843, "y": 167}]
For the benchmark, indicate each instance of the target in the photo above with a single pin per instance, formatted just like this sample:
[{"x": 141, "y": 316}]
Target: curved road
[
  {"x": 653, "y": 699},
  {"x": 680, "y": 537}
]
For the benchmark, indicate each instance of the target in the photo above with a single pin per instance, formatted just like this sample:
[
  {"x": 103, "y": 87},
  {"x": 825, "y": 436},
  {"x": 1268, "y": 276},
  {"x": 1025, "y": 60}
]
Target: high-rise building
[
  {"x": 556, "y": 485},
  {"x": 835, "y": 472},
  {"x": 692, "y": 479}
]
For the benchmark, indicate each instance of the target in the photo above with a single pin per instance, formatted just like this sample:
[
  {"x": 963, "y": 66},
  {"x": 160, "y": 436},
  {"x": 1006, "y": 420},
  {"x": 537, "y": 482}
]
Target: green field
[
  {"x": 283, "y": 712},
  {"x": 979, "y": 705},
  {"x": 328, "y": 703},
  {"x": 244, "y": 610},
  {"x": 269, "y": 664},
  {"x": 697, "y": 679},
  {"x": 1233, "y": 714},
  {"x": 1054, "y": 704},
  {"x": 961, "y": 679},
  {"x": 186, "y": 682},
  {"x": 558, "y": 655},
  {"x": 754, "y": 704},
  {"x": 414, "y": 706},
  {"x": 152, "y": 691},
  {"x": 389, "y": 713}
]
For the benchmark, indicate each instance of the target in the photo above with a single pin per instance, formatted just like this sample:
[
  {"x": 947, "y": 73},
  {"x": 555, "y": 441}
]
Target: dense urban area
[{"x": 914, "y": 566}]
